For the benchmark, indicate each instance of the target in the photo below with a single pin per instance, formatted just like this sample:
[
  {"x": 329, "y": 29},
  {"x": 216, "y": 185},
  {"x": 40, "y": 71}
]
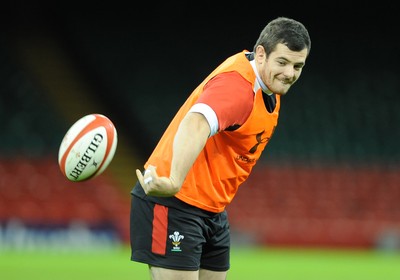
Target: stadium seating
[
  {"x": 318, "y": 206},
  {"x": 36, "y": 193}
]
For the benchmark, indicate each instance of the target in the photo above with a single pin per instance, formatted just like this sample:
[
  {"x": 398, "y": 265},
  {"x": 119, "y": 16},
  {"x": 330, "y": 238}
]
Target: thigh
[
  {"x": 159, "y": 273},
  {"x": 165, "y": 237},
  {"x": 205, "y": 274}
]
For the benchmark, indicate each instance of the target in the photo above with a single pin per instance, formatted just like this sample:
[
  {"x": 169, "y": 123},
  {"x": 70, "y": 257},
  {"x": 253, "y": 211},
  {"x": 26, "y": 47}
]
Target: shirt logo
[
  {"x": 176, "y": 241},
  {"x": 259, "y": 140}
]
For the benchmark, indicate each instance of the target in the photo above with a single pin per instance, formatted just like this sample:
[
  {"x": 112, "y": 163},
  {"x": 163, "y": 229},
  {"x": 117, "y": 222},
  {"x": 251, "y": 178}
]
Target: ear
[{"x": 260, "y": 55}]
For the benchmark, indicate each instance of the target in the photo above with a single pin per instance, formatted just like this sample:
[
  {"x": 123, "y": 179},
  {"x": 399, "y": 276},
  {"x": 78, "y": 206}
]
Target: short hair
[{"x": 287, "y": 31}]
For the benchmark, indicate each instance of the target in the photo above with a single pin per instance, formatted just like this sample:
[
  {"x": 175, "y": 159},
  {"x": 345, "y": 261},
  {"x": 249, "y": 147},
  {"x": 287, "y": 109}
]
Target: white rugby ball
[{"x": 87, "y": 148}]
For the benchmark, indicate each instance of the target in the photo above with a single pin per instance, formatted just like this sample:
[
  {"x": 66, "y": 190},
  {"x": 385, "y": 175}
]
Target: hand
[{"x": 154, "y": 185}]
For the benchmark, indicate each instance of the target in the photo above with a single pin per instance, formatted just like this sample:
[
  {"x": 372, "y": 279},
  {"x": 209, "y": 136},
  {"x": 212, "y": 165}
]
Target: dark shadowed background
[{"x": 137, "y": 63}]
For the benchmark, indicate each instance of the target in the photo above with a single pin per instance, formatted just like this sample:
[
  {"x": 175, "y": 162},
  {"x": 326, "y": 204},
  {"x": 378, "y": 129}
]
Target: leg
[
  {"x": 205, "y": 274},
  {"x": 159, "y": 273}
]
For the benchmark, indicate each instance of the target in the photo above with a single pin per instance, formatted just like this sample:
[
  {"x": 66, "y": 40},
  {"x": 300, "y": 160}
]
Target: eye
[{"x": 298, "y": 67}]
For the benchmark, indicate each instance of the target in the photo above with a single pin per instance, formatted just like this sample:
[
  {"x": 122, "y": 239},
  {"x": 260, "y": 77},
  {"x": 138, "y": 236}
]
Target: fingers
[
  {"x": 154, "y": 185},
  {"x": 146, "y": 178},
  {"x": 151, "y": 169}
]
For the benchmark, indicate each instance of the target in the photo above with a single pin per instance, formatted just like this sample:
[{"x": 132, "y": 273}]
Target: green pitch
[{"x": 247, "y": 263}]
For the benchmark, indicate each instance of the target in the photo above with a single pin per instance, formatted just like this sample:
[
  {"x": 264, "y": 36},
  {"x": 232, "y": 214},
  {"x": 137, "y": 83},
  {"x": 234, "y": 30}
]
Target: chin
[{"x": 281, "y": 91}]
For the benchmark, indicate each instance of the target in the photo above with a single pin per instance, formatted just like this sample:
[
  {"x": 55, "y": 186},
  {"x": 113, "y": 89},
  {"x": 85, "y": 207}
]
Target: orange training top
[{"x": 228, "y": 156}]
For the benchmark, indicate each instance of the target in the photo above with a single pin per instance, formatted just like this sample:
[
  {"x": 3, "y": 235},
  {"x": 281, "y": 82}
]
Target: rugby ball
[{"x": 87, "y": 148}]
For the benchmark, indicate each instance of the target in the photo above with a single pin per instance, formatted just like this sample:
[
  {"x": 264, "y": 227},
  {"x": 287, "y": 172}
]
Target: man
[{"x": 179, "y": 224}]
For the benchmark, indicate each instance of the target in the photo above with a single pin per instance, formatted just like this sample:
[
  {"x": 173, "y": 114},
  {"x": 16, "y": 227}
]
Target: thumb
[{"x": 139, "y": 175}]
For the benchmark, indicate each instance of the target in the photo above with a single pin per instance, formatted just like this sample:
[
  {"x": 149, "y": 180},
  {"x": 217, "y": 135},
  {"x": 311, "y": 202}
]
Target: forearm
[{"x": 189, "y": 140}]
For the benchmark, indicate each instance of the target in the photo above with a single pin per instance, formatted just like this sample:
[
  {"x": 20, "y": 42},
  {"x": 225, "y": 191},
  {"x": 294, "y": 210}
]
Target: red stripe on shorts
[{"x": 160, "y": 225}]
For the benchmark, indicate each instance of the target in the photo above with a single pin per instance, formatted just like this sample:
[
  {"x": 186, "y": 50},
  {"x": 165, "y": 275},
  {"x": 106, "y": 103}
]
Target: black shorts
[{"x": 167, "y": 237}]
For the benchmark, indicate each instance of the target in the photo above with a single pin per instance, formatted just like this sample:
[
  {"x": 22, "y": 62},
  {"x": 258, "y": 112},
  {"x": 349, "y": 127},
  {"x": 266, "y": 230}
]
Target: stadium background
[{"x": 329, "y": 177}]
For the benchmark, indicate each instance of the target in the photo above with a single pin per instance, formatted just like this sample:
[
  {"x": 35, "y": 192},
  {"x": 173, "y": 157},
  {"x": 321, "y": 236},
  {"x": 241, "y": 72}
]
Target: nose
[{"x": 289, "y": 71}]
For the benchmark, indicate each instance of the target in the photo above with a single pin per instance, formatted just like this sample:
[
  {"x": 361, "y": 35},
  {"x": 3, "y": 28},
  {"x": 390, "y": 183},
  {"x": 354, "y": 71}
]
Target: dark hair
[{"x": 286, "y": 31}]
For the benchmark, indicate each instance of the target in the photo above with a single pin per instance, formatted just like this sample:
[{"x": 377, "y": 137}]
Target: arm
[{"x": 189, "y": 140}]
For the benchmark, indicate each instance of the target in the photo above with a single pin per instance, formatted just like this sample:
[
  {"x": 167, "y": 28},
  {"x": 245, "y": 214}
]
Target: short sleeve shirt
[{"x": 227, "y": 100}]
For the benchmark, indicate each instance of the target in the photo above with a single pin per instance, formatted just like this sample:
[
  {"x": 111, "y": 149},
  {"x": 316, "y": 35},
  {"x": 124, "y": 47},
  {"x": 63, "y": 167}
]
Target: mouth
[{"x": 286, "y": 82}]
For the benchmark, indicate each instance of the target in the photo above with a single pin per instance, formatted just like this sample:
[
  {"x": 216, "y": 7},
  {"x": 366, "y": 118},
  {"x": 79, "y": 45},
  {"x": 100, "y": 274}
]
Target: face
[{"x": 281, "y": 69}]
